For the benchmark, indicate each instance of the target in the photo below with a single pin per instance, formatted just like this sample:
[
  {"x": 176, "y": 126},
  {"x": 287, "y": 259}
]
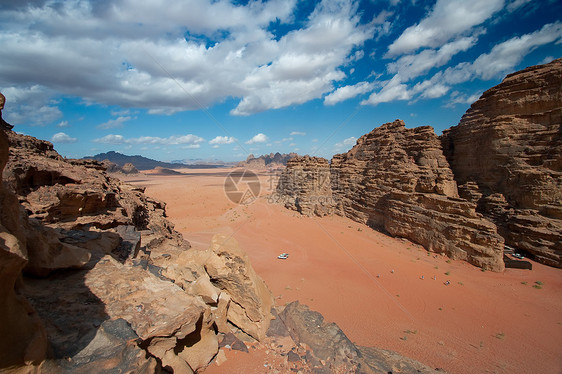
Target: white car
[{"x": 283, "y": 256}]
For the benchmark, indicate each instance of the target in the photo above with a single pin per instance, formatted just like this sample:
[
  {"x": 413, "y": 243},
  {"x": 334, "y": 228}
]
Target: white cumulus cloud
[
  {"x": 347, "y": 92},
  {"x": 502, "y": 58},
  {"x": 111, "y": 139},
  {"x": 61, "y": 137},
  {"x": 122, "y": 53},
  {"x": 222, "y": 140},
  {"x": 346, "y": 143},
  {"x": 393, "y": 90},
  {"x": 258, "y": 138},
  {"x": 505, "y": 56},
  {"x": 412, "y": 66},
  {"x": 446, "y": 20}
]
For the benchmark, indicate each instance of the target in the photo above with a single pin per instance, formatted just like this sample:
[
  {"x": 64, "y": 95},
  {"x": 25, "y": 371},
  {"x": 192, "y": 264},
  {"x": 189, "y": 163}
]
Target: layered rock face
[
  {"x": 305, "y": 186},
  {"x": 399, "y": 180},
  {"x": 506, "y": 154},
  {"x": 23, "y": 337},
  {"x": 389, "y": 158},
  {"x": 128, "y": 293}
]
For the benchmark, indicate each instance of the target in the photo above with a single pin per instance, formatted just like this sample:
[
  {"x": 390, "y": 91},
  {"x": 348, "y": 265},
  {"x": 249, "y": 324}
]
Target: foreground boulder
[
  {"x": 223, "y": 276},
  {"x": 506, "y": 154}
]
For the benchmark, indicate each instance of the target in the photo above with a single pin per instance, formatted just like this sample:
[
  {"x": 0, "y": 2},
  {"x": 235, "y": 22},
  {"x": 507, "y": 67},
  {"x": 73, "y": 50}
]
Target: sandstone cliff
[
  {"x": 398, "y": 179},
  {"x": 113, "y": 287},
  {"x": 23, "y": 337},
  {"x": 506, "y": 154},
  {"x": 305, "y": 186}
]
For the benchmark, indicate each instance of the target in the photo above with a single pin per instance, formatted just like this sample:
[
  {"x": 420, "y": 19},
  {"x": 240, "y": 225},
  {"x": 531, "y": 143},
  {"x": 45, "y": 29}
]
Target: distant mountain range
[{"x": 144, "y": 163}]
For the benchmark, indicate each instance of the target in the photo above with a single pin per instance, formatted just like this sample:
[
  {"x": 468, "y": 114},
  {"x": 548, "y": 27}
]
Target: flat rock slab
[
  {"x": 113, "y": 350},
  {"x": 152, "y": 306}
]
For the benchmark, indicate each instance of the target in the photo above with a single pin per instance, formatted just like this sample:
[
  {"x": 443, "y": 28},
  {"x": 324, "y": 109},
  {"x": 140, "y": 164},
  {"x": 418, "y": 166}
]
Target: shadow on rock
[{"x": 71, "y": 313}]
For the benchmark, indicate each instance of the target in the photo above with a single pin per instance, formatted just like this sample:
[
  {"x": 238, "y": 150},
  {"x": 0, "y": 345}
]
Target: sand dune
[{"x": 371, "y": 285}]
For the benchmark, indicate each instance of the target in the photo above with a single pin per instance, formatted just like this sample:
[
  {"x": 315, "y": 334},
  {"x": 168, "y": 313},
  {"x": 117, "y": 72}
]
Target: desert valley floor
[{"x": 381, "y": 291}]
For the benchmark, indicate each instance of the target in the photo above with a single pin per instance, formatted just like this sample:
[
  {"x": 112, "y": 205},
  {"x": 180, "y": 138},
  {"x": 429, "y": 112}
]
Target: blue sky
[{"x": 197, "y": 79}]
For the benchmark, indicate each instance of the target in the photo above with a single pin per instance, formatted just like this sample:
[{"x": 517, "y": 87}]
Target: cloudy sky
[{"x": 214, "y": 79}]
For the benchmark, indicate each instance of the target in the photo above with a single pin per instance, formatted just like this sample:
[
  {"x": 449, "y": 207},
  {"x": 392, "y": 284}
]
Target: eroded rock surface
[
  {"x": 223, "y": 276},
  {"x": 390, "y": 158},
  {"x": 398, "y": 180},
  {"x": 115, "y": 287},
  {"x": 326, "y": 349},
  {"x": 305, "y": 186},
  {"x": 22, "y": 336},
  {"x": 506, "y": 154}
]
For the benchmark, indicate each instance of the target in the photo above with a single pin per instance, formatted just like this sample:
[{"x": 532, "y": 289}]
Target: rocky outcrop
[
  {"x": 22, "y": 335},
  {"x": 223, "y": 276},
  {"x": 397, "y": 180},
  {"x": 506, "y": 154},
  {"x": 250, "y": 300},
  {"x": 305, "y": 186},
  {"x": 129, "y": 293},
  {"x": 390, "y": 158},
  {"x": 445, "y": 225},
  {"x": 326, "y": 349},
  {"x": 126, "y": 169},
  {"x": 270, "y": 161}
]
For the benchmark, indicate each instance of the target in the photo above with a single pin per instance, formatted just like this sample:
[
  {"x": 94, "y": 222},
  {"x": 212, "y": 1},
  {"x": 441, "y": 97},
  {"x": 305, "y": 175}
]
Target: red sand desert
[{"x": 371, "y": 285}]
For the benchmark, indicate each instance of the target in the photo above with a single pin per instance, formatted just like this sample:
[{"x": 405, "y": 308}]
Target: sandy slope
[{"x": 371, "y": 286}]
